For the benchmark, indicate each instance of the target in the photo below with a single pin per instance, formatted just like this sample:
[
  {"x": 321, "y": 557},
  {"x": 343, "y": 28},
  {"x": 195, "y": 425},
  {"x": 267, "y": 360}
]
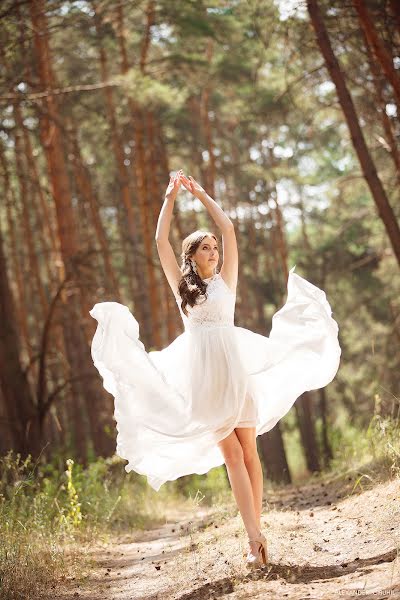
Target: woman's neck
[{"x": 205, "y": 275}]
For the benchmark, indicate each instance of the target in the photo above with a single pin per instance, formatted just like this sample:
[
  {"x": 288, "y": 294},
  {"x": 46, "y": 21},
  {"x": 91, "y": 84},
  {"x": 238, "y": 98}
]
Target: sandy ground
[{"x": 325, "y": 541}]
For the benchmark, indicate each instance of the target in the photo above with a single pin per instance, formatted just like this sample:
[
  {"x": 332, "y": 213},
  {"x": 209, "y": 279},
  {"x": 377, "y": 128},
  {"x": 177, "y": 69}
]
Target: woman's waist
[{"x": 192, "y": 325}]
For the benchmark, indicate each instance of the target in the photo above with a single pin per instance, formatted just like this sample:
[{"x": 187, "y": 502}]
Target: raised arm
[
  {"x": 164, "y": 248},
  {"x": 229, "y": 269}
]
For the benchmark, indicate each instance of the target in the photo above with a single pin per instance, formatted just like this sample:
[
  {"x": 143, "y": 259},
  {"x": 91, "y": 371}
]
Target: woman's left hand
[
  {"x": 193, "y": 187},
  {"x": 173, "y": 186}
]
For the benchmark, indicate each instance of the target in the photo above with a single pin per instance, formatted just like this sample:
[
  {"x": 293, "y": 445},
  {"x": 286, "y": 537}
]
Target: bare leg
[
  {"x": 247, "y": 439},
  {"x": 240, "y": 482}
]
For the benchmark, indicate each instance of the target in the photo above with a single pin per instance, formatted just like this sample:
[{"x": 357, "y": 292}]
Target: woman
[{"x": 203, "y": 400}]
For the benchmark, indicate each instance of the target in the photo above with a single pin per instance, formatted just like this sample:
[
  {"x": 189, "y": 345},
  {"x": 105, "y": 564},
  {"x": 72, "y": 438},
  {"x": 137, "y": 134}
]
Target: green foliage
[
  {"x": 277, "y": 135},
  {"x": 293, "y": 448},
  {"x": 43, "y": 507},
  {"x": 373, "y": 452},
  {"x": 30, "y": 556},
  {"x": 149, "y": 93},
  {"x": 207, "y": 488},
  {"x": 71, "y": 515}
]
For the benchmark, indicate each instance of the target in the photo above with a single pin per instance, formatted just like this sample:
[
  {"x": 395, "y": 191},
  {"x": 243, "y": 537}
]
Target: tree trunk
[
  {"x": 385, "y": 211},
  {"x": 381, "y": 54},
  {"x": 47, "y": 216},
  {"x": 157, "y": 189},
  {"x": 19, "y": 404},
  {"x": 381, "y": 105},
  {"x": 84, "y": 183},
  {"x": 395, "y": 12},
  {"x": 207, "y": 129},
  {"x": 323, "y": 409},
  {"x": 303, "y": 406},
  {"x": 150, "y": 291},
  {"x": 44, "y": 229},
  {"x": 304, "y": 232},
  {"x": 89, "y": 396},
  {"x": 274, "y": 457},
  {"x": 123, "y": 174},
  {"x": 20, "y": 295},
  {"x": 26, "y": 202},
  {"x": 196, "y": 139},
  {"x": 279, "y": 230},
  {"x": 174, "y": 324}
]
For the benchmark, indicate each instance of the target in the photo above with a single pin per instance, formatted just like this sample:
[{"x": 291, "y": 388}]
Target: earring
[{"x": 194, "y": 266}]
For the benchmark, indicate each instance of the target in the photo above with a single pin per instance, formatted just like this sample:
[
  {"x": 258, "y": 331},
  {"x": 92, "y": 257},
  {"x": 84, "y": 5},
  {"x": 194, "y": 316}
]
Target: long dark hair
[{"x": 191, "y": 286}]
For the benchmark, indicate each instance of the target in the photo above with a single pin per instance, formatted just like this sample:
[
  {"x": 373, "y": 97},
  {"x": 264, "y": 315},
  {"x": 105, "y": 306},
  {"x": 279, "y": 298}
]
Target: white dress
[{"x": 172, "y": 406}]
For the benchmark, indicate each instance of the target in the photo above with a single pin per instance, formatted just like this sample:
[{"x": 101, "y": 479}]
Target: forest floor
[{"x": 324, "y": 541}]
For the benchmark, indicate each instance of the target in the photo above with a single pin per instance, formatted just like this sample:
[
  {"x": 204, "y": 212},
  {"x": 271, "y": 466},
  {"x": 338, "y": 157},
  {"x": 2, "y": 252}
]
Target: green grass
[
  {"x": 373, "y": 455},
  {"x": 45, "y": 508}
]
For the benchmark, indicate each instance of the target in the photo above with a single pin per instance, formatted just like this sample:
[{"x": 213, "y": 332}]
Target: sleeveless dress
[{"x": 174, "y": 405}]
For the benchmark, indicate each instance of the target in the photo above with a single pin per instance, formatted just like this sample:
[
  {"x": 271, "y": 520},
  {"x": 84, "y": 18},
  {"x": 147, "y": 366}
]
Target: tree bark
[
  {"x": 25, "y": 197},
  {"x": 88, "y": 397},
  {"x": 274, "y": 457},
  {"x": 123, "y": 174},
  {"x": 150, "y": 298},
  {"x": 386, "y": 124},
  {"x": 158, "y": 183},
  {"x": 307, "y": 431},
  {"x": 20, "y": 292},
  {"x": 381, "y": 54},
  {"x": 394, "y": 4},
  {"x": 323, "y": 409},
  {"x": 206, "y": 123},
  {"x": 84, "y": 183},
  {"x": 18, "y": 399}
]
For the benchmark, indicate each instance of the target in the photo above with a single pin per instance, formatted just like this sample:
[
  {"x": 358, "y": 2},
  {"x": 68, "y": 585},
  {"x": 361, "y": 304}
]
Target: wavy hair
[{"x": 191, "y": 287}]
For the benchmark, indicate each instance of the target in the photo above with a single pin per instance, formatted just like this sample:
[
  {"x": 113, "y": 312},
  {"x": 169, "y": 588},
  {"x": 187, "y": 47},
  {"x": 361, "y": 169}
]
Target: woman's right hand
[
  {"x": 192, "y": 186},
  {"x": 173, "y": 186}
]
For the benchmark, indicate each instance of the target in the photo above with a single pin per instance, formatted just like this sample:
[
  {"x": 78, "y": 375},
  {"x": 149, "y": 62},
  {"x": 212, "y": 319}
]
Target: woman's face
[{"x": 206, "y": 255}]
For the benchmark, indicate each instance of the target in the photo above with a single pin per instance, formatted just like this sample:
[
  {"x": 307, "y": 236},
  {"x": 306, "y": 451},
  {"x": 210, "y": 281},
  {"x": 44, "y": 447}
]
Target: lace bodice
[{"x": 216, "y": 311}]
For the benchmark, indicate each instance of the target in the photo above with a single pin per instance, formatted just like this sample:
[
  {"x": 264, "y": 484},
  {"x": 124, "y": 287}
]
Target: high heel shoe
[{"x": 261, "y": 558}]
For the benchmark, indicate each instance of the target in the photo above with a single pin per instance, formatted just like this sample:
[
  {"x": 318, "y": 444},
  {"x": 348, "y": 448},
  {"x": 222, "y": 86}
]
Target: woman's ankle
[{"x": 255, "y": 533}]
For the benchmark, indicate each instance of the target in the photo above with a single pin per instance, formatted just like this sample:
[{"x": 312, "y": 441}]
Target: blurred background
[{"x": 288, "y": 114}]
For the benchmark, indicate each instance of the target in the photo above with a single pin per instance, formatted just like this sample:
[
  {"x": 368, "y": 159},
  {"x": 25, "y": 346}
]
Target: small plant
[
  {"x": 383, "y": 436},
  {"x": 41, "y": 503},
  {"x": 70, "y": 515}
]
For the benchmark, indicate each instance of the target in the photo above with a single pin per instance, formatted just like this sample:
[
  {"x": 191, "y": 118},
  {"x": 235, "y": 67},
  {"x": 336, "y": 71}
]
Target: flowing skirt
[{"x": 173, "y": 406}]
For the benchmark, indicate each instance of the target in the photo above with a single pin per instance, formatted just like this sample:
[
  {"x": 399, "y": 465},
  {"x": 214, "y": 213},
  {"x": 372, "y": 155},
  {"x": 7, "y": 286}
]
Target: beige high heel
[{"x": 261, "y": 558}]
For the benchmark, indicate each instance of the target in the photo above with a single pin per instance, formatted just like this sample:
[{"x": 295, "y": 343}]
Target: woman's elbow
[
  {"x": 160, "y": 239},
  {"x": 228, "y": 226}
]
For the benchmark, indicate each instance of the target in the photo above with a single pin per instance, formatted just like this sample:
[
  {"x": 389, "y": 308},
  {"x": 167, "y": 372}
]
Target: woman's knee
[
  {"x": 250, "y": 453},
  {"x": 232, "y": 451},
  {"x": 234, "y": 457},
  {"x": 247, "y": 439}
]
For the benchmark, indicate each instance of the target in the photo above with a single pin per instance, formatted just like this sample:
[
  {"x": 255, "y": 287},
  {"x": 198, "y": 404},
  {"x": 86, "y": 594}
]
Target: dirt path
[{"x": 323, "y": 543}]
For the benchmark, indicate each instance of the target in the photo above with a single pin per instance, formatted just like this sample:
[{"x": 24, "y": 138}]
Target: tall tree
[
  {"x": 22, "y": 418},
  {"x": 51, "y": 133},
  {"x": 385, "y": 211},
  {"x": 382, "y": 55}
]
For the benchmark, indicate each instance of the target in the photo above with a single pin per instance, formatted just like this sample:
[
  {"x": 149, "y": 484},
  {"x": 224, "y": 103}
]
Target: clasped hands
[{"x": 189, "y": 183}]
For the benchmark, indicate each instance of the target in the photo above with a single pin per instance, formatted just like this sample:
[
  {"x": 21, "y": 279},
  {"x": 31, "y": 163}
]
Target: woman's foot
[
  {"x": 257, "y": 555},
  {"x": 254, "y": 547}
]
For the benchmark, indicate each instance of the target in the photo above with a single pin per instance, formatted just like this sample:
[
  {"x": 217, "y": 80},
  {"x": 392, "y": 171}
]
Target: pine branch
[{"x": 57, "y": 92}]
